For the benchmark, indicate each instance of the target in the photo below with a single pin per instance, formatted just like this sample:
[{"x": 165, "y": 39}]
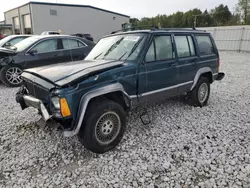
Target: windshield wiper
[
  {"x": 113, "y": 47},
  {"x": 98, "y": 55},
  {"x": 134, "y": 48},
  {"x": 122, "y": 56}
]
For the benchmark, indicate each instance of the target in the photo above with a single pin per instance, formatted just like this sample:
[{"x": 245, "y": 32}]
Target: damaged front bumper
[{"x": 26, "y": 101}]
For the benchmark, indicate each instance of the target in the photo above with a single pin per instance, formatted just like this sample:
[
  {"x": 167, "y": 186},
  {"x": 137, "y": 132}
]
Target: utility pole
[
  {"x": 199, "y": 15},
  {"x": 195, "y": 21},
  {"x": 195, "y": 18}
]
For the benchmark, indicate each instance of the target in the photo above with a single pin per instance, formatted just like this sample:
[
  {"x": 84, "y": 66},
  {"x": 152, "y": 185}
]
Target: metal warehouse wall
[
  {"x": 18, "y": 12},
  {"x": 231, "y": 38},
  {"x": 75, "y": 20}
]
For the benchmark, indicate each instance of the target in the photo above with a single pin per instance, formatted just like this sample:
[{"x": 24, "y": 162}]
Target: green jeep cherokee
[{"x": 90, "y": 97}]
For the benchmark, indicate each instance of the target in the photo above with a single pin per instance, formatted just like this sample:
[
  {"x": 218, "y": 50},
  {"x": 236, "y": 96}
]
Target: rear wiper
[{"x": 98, "y": 55}]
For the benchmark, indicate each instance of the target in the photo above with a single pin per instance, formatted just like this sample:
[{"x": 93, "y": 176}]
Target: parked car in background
[
  {"x": 50, "y": 33},
  {"x": 128, "y": 69},
  {"x": 86, "y": 36},
  {"x": 12, "y": 40},
  {"x": 3, "y": 36},
  {"x": 38, "y": 51}
]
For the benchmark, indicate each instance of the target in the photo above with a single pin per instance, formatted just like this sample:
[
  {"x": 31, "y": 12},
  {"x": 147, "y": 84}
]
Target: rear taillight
[{"x": 2, "y": 36}]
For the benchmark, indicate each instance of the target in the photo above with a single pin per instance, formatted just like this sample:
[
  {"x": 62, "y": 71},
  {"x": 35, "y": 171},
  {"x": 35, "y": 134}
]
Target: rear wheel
[
  {"x": 200, "y": 94},
  {"x": 10, "y": 75},
  {"x": 103, "y": 127}
]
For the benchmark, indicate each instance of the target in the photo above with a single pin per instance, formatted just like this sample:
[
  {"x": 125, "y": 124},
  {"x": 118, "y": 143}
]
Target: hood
[
  {"x": 64, "y": 73},
  {"x": 6, "y": 52}
]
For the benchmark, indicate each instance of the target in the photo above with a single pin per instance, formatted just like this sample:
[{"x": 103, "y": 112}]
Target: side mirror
[{"x": 32, "y": 52}]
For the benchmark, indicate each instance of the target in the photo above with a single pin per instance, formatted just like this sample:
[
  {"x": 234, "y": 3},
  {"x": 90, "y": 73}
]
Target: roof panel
[
  {"x": 75, "y": 5},
  {"x": 70, "y": 5}
]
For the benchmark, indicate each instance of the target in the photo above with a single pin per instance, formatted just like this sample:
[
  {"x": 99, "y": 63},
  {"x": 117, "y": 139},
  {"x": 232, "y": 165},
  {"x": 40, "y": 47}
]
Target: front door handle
[{"x": 174, "y": 64}]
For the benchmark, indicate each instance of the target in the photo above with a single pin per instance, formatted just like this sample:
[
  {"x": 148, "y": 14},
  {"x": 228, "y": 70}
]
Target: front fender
[{"x": 90, "y": 95}]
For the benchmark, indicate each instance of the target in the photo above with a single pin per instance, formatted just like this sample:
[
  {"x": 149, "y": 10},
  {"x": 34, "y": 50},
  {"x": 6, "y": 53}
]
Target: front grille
[{"x": 36, "y": 90}]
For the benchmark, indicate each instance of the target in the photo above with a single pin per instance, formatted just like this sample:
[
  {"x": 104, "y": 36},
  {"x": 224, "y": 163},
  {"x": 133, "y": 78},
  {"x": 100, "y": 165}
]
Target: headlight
[
  {"x": 56, "y": 102},
  {"x": 55, "y": 92},
  {"x": 4, "y": 61}
]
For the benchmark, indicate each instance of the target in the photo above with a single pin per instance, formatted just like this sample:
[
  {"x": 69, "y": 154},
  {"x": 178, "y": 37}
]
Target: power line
[{"x": 207, "y": 14}]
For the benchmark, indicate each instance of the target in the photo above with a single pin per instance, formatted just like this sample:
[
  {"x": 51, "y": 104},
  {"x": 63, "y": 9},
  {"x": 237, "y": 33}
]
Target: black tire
[
  {"x": 88, "y": 133},
  {"x": 195, "y": 100},
  {"x": 3, "y": 76}
]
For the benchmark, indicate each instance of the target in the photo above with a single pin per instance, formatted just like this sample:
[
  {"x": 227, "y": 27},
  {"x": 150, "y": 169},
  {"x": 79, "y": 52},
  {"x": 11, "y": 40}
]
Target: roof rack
[
  {"x": 134, "y": 28},
  {"x": 154, "y": 28},
  {"x": 182, "y": 29}
]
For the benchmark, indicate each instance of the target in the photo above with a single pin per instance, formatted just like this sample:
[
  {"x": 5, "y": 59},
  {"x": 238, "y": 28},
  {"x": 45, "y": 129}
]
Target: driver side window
[
  {"x": 46, "y": 46},
  {"x": 160, "y": 49}
]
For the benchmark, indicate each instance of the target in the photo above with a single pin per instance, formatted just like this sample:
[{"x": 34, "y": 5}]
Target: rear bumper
[
  {"x": 29, "y": 101},
  {"x": 219, "y": 76}
]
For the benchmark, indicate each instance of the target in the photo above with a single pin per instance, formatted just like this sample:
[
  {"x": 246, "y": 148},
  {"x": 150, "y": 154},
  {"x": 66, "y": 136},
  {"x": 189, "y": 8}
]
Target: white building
[{"x": 36, "y": 17}]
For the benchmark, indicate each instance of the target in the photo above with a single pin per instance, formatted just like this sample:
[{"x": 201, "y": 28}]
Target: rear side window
[
  {"x": 205, "y": 45},
  {"x": 182, "y": 46},
  {"x": 191, "y": 45},
  {"x": 72, "y": 44},
  {"x": 160, "y": 49},
  {"x": 185, "y": 46}
]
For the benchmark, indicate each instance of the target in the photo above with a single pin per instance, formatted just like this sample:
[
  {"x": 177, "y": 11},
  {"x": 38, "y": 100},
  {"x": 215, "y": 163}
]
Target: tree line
[{"x": 219, "y": 16}]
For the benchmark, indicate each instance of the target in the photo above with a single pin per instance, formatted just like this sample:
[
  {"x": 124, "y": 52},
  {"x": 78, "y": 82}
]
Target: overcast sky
[{"x": 133, "y": 8}]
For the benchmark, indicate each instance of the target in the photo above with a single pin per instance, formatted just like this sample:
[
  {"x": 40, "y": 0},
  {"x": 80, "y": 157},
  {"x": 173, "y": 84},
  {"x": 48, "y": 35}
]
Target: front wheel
[
  {"x": 10, "y": 75},
  {"x": 103, "y": 127},
  {"x": 200, "y": 94}
]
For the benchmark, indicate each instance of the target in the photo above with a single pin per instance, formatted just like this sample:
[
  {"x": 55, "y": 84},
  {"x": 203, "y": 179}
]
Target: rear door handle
[{"x": 195, "y": 60}]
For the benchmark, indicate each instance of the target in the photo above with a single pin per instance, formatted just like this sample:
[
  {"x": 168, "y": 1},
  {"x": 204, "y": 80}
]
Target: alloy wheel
[{"x": 13, "y": 75}]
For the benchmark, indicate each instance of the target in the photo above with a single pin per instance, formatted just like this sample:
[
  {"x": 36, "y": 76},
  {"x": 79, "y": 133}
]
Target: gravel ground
[{"x": 182, "y": 147}]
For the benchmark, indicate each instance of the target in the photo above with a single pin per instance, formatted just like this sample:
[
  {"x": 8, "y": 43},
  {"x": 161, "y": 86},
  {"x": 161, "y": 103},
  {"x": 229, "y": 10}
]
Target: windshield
[
  {"x": 25, "y": 43},
  {"x": 5, "y": 40},
  {"x": 119, "y": 47}
]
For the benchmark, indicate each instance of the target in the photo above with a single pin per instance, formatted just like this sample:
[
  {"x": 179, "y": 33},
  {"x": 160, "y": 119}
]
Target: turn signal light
[{"x": 65, "y": 111}]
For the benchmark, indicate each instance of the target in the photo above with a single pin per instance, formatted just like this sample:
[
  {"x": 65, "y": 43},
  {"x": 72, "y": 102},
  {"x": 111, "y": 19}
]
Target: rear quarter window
[
  {"x": 205, "y": 44},
  {"x": 88, "y": 42}
]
